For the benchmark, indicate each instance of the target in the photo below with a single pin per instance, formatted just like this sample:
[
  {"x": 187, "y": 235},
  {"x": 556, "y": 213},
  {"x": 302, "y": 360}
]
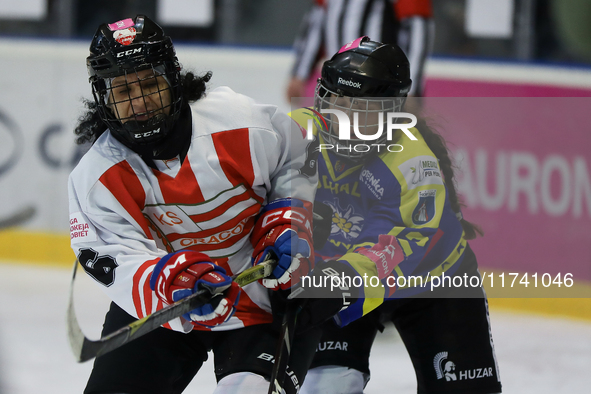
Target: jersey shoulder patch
[{"x": 420, "y": 171}]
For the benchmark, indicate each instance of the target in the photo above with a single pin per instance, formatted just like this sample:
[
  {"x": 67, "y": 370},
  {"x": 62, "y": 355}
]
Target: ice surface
[{"x": 536, "y": 355}]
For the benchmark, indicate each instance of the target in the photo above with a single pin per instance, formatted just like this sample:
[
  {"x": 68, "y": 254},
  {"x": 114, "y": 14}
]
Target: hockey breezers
[{"x": 85, "y": 349}]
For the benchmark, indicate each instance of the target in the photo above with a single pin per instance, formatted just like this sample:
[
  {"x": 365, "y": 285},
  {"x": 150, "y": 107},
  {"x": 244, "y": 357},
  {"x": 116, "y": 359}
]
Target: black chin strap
[{"x": 176, "y": 143}]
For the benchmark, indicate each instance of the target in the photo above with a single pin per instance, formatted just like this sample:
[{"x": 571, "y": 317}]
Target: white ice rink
[{"x": 536, "y": 355}]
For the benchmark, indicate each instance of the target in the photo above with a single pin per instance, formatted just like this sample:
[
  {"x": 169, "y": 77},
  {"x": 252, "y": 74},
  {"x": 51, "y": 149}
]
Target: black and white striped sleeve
[
  {"x": 415, "y": 37},
  {"x": 308, "y": 43}
]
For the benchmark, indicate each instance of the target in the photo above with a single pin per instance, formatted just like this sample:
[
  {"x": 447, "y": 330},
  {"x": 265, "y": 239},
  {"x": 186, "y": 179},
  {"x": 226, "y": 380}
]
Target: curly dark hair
[
  {"x": 90, "y": 125},
  {"x": 439, "y": 147}
]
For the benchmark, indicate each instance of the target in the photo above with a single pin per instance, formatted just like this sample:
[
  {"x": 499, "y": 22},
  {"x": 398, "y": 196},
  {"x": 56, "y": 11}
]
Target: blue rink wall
[{"x": 43, "y": 84}]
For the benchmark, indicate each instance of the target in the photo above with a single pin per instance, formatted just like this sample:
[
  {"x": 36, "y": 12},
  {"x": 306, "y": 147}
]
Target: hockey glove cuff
[{"x": 284, "y": 228}]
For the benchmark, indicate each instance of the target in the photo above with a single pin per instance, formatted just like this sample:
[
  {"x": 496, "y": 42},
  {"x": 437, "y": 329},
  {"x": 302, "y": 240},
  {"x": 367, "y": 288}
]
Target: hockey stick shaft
[
  {"x": 85, "y": 349},
  {"x": 283, "y": 350}
]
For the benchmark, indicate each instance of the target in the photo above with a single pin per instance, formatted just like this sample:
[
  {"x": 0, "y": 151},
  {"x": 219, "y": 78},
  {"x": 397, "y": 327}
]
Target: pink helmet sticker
[
  {"x": 351, "y": 45},
  {"x": 125, "y": 23},
  {"x": 125, "y": 36}
]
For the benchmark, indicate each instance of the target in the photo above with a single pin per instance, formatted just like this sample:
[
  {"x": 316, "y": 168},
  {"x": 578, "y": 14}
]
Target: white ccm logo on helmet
[
  {"x": 356, "y": 85},
  {"x": 147, "y": 133},
  {"x": 129, "y": 52}
]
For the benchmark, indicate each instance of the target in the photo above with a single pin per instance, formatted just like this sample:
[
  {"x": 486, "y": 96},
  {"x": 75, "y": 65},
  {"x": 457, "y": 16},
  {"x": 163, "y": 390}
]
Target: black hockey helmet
[
  {"x": 125, "y": 49},
  {"x": 365, "y": 68},
  {"x": 377, "y": 75}
]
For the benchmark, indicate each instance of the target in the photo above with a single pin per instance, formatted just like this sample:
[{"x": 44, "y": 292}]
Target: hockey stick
[
  {"x": 85, "y": 349},
  {"x": 283, "y": 350},
  {"x": 322, "y": 221},
  {"x": 18, "y": 218}
]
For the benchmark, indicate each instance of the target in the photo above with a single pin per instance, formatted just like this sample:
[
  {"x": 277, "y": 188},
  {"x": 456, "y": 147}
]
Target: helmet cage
[
  {"x": 160, "y": 94},
  {"x": 367, "y": 116},
  {"x": 112, "y": 59}
]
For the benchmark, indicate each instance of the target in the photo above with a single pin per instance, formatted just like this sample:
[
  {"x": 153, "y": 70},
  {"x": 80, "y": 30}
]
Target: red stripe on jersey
[
  {"x": 233, "y": 149},
  {"x": 438, "y": 234},
  {"x": 250, "y": 313},
  {"x": 230, "y": 223},
  {"x": 410, "y": 8},
  {"x": 140, "y": 287},
  {"x": 218, "y": 211},
  {"x": 125, "y": 186},
  {"x": 183, "y": 188}
]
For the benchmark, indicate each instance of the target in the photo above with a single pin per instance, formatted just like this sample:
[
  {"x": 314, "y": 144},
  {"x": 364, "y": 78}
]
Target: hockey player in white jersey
[{"x": 172, "y": 198}]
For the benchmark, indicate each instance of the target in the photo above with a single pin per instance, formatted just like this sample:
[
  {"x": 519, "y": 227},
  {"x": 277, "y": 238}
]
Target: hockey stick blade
[{"x": 85, "y": 349}]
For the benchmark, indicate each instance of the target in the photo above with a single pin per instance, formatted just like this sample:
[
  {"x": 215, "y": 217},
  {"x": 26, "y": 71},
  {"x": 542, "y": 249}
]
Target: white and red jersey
[{"x": 125, "y": 215}]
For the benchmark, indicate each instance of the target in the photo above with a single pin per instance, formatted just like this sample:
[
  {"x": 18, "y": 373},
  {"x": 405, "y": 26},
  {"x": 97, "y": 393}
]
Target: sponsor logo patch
[
  {"x": 386, "y": 254},
  {"x": 372, "y": 183},
  {"x": 447, "y": 369},
  {"x": 420, "y": 171},
  {"x": 332, "y": 345},
  {"x": 80, "y": 229}
]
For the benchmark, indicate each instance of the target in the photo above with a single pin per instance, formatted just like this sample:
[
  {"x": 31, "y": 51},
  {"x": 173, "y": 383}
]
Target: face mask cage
[
  {"x": 140, "y": 105},
  {"x": 367, "y": 117}
]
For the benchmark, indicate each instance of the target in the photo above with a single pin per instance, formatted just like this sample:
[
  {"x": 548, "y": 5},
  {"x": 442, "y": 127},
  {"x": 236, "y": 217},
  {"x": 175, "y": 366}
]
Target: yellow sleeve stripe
[
  {"x": 374, "y": 295},
  {"x": 437, "y": 271},
  {"x": 451, "y": 259}
]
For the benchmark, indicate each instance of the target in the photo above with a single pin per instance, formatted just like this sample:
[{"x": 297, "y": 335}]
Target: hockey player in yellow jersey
[{"x": 396, "y": 230}]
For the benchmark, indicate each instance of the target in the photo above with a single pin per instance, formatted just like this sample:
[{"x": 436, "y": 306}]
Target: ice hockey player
[
  {"x": 180, "y": 190},
  {"x": 396, "y": 214}
]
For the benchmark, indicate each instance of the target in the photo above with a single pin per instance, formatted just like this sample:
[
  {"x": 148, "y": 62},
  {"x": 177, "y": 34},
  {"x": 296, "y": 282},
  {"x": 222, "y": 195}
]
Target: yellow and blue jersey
[{"x": 392, "y": 220}]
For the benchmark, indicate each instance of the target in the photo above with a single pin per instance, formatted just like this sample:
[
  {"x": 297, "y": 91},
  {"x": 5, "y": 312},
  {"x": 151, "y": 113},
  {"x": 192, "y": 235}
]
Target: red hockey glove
[
  {"x": 180, "y": 274},
  {"x": 284, "y": 228}
]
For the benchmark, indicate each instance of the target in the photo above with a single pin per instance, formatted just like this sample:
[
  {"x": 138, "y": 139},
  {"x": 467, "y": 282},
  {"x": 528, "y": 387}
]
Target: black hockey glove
[{"x": 328, "y": 291}]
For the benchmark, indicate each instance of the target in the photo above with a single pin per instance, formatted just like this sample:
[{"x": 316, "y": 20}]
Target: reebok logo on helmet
[{"x": 356, "y": 85}]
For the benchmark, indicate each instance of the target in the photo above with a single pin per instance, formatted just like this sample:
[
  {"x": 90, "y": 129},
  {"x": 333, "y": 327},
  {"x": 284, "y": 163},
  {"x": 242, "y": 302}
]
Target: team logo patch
[
  {"x": 345, "y": 222},
  {"x": 444, "y": 368},
  {"x": 448, "y": 370},
  {"x": 125, "y": 36},
  {"x": 425, "y": 209}
]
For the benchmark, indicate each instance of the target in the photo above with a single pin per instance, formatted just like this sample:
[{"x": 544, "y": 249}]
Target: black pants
[
  {"x": 448, "y": 339},
  {"x": 165, "y": 362}
]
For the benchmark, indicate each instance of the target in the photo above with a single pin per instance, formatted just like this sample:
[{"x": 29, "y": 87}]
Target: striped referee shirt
[{"x": 330, "y": 24}]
